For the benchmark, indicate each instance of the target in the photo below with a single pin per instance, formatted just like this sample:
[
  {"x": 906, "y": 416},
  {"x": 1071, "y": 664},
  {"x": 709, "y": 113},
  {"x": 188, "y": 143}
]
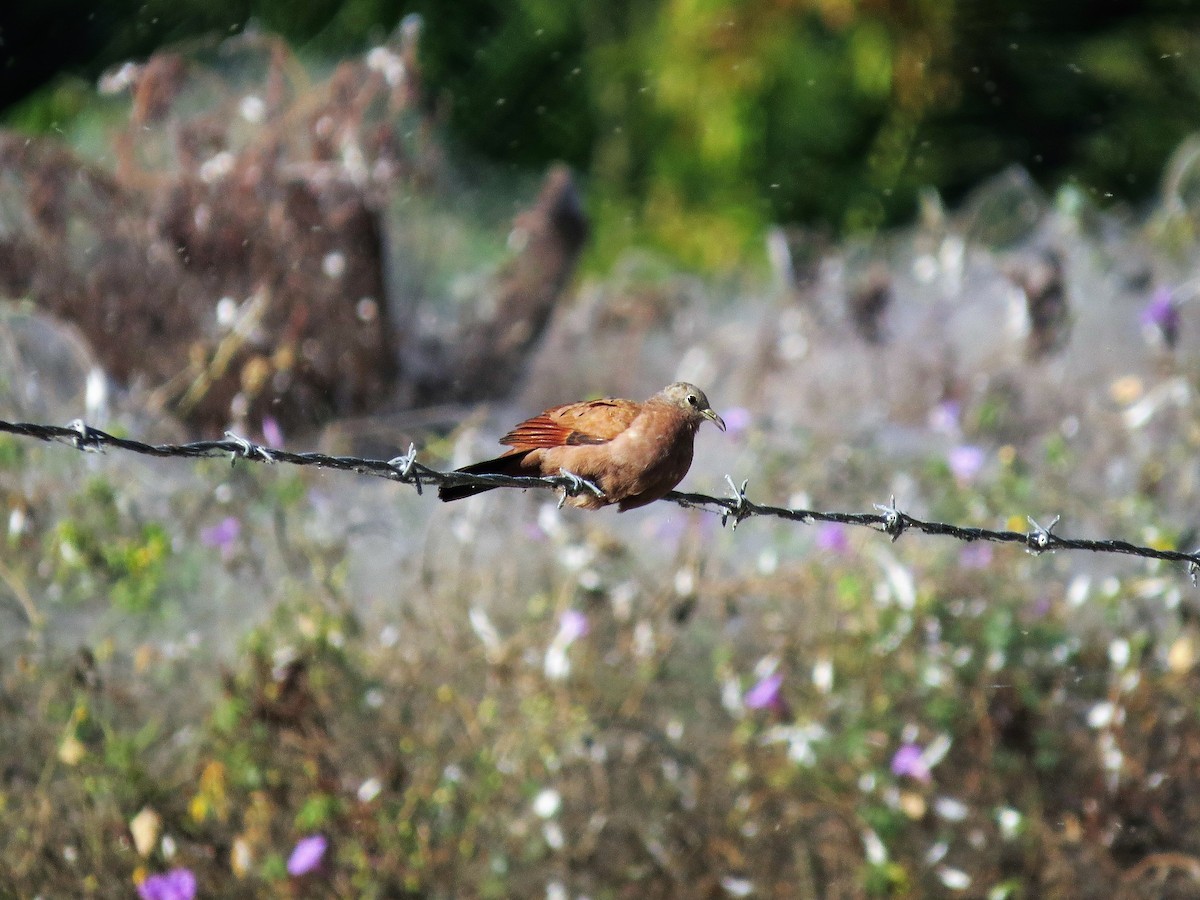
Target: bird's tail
[{"x": 509, "y": 464}]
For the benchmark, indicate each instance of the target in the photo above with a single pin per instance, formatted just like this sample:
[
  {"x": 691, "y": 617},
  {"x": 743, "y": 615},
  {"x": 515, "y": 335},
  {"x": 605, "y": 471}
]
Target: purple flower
[
  {"x": 1041, "y": 607},
  {"x": 672, "y": 529},
  {"x": 965, "y": 462},
  {"x": 223, "y": 535},
  {"x": 572, "y": 625},
  {"x": 271, "y": 431},
  {"x": 832, "y": 537},
  {"x": 737, "y": 420},
  {"x": 944, "y": 417},
  {"x": 910, "y": 761},
  {"x": 178, "y": 884},
  {"x": 307, "y": 854},
  {"x": 669, "y": 529},
  {"x": 1160, "y": 317},
  {"x": 975, "y": 556},
  {"x": 766, "y": 693}
]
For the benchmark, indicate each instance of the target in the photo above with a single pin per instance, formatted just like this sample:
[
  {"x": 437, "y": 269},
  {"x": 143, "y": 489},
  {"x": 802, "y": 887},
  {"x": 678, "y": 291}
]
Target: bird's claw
[{"x": 575, "y": 486}]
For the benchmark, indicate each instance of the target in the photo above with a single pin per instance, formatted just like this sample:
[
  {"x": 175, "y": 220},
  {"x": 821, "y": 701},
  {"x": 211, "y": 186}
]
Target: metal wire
[{"x": 736, "y": 508}]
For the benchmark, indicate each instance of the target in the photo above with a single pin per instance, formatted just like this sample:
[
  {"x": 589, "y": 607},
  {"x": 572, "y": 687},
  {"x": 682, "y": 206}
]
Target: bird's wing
[{"x": 589, "y": 422}]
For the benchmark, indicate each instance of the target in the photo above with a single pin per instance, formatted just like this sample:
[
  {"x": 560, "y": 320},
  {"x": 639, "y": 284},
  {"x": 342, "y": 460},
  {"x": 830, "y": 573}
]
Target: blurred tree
[
  {"x": 699, "y": 121},
  {"x": 1097, "y": 90}
]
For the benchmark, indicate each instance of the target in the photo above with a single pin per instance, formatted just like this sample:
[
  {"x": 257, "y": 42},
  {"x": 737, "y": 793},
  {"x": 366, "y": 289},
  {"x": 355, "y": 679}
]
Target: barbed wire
[{"x": 737, "y": 507}]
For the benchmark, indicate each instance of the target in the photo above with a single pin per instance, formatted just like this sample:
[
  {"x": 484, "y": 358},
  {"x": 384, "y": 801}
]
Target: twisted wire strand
[{"x": 737, "y": 507}]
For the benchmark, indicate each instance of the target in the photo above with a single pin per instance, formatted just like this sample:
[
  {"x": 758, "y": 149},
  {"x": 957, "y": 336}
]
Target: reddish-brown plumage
[{"x": 634, "y": 453}]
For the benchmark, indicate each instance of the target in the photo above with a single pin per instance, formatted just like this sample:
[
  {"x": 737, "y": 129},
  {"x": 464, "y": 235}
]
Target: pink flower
[
  {"x": 766, "y": 694},
  {"x": 307, "y": 854},
  {"x": 910, "y": 761},
  {"x": 271, "y": 431},
  {"x": 1160, "y": 318},
  {"x": 975, "y": 556},
  {"x": 737, "y": 421},
  {"x": 670, "y": 529},
  {"x": 832, "y": 538},
  {"x": 222, "y": 536},
  {"x": 534, "y": 532},
  {"x": 944, "y": 417},
  {"x": 1041, "y": 607},
  {"x": 178, "y": 884},
  {"x": 572, "y": 625},
  {"x": 965, "y": 462}
]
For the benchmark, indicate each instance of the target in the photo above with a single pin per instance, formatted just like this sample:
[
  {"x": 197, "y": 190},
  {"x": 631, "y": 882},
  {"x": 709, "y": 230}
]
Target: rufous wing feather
[{"x": 590, "y": 422}]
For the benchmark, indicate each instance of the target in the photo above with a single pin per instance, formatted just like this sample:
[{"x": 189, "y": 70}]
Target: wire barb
[
  {"x": 246, "y": 449},
  {"x": 403, "y": 466},
  {"x": 894, "y": 522},
  {"x": 740, "y": 506},
  {"x": 1038, "y": 539},
  {"x": 85, "y": 438}
]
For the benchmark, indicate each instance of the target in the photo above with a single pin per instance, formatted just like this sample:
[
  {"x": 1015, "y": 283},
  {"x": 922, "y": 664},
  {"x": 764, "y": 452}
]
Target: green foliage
[
  {"x": 65, "y": 101},
  {"x": 699, "y": 123},
  {"x": 12, "y": 452},
  {"x": 102, "y": 551},
  {"x": 316, "y": 812}
]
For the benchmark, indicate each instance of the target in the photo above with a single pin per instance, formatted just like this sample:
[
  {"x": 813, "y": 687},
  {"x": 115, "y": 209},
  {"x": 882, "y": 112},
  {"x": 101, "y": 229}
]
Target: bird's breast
[{"x": 656, "y": 453}]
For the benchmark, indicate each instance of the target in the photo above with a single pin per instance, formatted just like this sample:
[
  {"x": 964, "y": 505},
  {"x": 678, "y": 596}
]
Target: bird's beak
[{"x": 716, "y": 420}]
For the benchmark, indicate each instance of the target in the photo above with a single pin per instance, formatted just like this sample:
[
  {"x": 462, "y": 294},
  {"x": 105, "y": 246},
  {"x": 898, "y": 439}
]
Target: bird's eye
[{"x": 692, "y": 400}]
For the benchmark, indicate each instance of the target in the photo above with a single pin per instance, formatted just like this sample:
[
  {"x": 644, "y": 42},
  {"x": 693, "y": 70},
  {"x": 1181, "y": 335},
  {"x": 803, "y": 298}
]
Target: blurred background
[
  {"x": 698, "y": 124},
  {"x": 946, "y": 252}
]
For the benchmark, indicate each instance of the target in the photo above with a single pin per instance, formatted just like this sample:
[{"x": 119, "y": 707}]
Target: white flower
[
  {"x": 369, "y": 790},
  {"x": 955, "y": 879},
  {"x": 877, "y": 854},
  {"x": 1118, "y": 653},
  {"x": 1009, "y": 821},
  {"x": 252, "y": 108},
  {"x": 950, "y": 809},
  {"x": 737, "y": 887},
  {"x": 553, "y": 834},
  {"x": 484, "y": 629},
  {"x": 1101, "y": 715},
  {"x": 547, "y": 803},
  {"x": 822, "y": 675}
]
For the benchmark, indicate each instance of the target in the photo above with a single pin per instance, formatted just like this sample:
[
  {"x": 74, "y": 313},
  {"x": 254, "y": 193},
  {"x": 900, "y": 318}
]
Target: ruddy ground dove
[{"x": 634, "y": 453}]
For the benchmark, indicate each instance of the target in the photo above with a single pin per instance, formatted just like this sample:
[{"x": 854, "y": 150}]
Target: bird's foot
[{"x": 575, "y": 486}]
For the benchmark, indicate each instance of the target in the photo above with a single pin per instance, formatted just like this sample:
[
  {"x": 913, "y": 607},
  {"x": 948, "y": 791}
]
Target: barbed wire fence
[{"x": 736, "y": 508}]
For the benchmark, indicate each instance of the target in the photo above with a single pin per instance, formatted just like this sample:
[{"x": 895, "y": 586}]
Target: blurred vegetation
[
  {"x": 467, "y": 748},
  {"x": 699, "y": 122},
  {"x": 208, "y": 665}
]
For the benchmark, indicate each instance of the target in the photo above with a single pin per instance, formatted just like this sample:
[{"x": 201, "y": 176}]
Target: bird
[{"x": 631, "y": 453}]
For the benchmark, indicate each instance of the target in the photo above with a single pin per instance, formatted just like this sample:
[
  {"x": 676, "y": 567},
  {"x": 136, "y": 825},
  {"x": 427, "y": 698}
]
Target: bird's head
[{"x": 691, "y": 399}]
